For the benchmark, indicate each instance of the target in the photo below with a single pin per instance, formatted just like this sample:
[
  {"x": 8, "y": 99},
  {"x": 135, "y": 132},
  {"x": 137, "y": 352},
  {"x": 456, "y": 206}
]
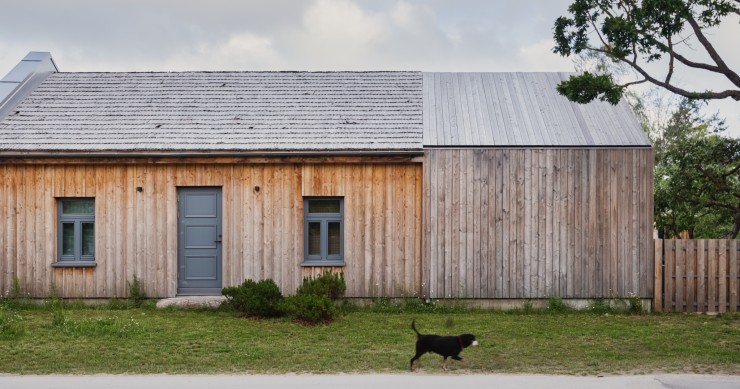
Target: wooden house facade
[
  {"x": 136, "y": 232},
  {"x": 527, "y": 195},
  {"x": 411, "y": 184}
]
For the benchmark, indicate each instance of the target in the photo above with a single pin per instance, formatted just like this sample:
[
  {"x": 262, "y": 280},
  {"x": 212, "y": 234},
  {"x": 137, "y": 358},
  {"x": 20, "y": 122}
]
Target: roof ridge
[{"x": 248, "y": 71}]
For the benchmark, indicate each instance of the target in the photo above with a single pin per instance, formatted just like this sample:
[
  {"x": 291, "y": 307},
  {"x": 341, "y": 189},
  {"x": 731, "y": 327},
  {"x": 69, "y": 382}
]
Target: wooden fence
[{"x": 696, "y": 275}]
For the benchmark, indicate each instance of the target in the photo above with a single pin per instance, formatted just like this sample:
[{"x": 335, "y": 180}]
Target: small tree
[{"x": 697, "y": 177}]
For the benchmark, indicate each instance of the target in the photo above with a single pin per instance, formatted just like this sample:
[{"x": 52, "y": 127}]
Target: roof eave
[{"x": 190, "y": 153}]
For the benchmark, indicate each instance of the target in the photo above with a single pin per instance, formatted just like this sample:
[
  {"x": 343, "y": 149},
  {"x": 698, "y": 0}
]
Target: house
[
  {"x": 464, "y": 185},
  {"x": 527, "y": 195}
]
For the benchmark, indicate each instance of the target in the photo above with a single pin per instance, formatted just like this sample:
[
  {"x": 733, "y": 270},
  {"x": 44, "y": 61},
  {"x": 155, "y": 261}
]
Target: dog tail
[{"x": 413, "y": 326}]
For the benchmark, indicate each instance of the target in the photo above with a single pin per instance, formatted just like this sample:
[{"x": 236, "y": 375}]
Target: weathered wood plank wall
[
  {"x": 535, "y": 223},
  {"x": 136, "y": 232}
]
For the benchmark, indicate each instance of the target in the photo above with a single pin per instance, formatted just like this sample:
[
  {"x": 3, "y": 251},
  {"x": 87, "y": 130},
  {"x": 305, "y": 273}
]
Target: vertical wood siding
[
  {"x": 136, "y": 232},
  {"x": 535, "y": 223}
]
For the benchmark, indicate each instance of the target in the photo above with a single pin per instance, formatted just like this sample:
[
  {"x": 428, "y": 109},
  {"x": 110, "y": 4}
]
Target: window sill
[
  {"x": 325, "y": 263},
  {"x": 74, "y": 264}
]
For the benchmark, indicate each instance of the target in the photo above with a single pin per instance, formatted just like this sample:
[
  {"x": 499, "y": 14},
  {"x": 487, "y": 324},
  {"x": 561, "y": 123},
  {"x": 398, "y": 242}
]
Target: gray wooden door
[{"x": 199, "y": 241}]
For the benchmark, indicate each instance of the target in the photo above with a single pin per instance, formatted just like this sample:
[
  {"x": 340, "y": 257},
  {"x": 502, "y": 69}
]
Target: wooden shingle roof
[{"x": 218, "y": 112}]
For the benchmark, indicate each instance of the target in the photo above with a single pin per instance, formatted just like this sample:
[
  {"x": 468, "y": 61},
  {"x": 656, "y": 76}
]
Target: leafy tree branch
[{"x": 640, "y": 32}]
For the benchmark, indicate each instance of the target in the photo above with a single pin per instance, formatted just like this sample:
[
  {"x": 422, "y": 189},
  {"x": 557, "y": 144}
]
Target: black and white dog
[{"x": 446, "y": 346}]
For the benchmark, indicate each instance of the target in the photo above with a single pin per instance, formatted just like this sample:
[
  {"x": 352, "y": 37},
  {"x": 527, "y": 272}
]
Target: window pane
[
  {"x": 88, "y": 239},
  {"x": 334, "y": 238},
  {"x": 323, "y": 206},
  {"x": 78, "y": 207},
  {"x": 314, "y": 238},
  {"x": 68, "y": 239}
]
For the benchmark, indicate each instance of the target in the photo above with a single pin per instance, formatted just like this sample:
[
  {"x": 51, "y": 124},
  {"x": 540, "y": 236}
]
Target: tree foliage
[
  {"x": 639, "y": 32},
  {"x": 697, "y": 177}
]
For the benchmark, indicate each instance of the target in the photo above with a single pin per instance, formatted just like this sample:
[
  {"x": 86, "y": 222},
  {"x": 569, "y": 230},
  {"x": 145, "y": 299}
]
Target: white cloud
[
  {"x": 341, "y": 32},
  {"x": 342, "y": 35},
  {"x": 426, "y": 35},
  {"x": 409, "y": 18},
  {"x": 242, "y": 51},
  {"x": 539, "y": 57}
]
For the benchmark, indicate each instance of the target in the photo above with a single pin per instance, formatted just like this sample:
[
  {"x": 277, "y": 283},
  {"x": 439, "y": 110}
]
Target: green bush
[
  {"x": 556, "y": 304},
  {"x": 635, "y": 304},
  {"x": 327, "y": 284},
  {"x": 601, "y": 306},
  {"x": 255, "y": 298},
  {"x": 136, "y": 292},
  {"x": 14, "y": 298},
  {"x": 309, "y": 309}
]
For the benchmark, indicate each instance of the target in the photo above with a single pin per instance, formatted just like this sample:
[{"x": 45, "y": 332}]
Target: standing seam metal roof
[{"x": 520, "y": 110}]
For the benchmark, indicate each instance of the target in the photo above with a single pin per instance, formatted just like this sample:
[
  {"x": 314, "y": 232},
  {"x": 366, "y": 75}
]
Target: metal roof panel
[{"x": 519, "y": 109}]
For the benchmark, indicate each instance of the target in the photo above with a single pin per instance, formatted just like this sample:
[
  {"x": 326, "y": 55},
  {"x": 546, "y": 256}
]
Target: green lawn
[{"x": 87, "y": 341}]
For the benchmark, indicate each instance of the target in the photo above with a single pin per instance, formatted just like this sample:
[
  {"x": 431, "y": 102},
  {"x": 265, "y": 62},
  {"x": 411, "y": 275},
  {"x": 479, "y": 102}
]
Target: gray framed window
[
  {"x": 323, "y": 231},
  {"x": 76, "y": 232}
]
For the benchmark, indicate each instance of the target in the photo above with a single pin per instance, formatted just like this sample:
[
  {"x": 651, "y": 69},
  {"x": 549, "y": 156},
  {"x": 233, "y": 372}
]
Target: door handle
[{"x": 218, "y": 240}]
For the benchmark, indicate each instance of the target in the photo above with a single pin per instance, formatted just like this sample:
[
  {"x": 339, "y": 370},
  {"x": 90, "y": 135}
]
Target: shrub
[
  {"x": 15, "y": 291},
  {"x": 635, "y": 304},
  {"x": 136, "y": 291},
  {"x": 14, "y": 298},
  {"x": 309, "y": 309},
  {"x": 255, "y": 298},
  {"x": 556, "y": 304},
  {"x": 601, "y": 306},
  {"x": 328, "y": 284},
  {"x": 54, "y": 300}
]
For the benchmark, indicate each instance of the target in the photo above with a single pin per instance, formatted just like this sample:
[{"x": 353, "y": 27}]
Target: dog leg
[
  {"x": 462, "y": 362},
  {"x": 411, "y": 364},
  {"x": 444, "y": 363}
]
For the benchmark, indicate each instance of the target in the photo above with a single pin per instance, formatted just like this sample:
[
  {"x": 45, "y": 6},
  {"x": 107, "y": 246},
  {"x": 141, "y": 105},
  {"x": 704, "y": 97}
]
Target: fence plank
[
  {"x": 722, "y": 274},
  {"x": 712, "y": 276},
  {"x": 658, "y": 280},
  {"x": 701, "y": 271},
  {"x": 733, "y": 275},
  {"x": 680, "y": 273},
  {"x": 669, "y": 271},
  {"x": 691, "y": 275}
]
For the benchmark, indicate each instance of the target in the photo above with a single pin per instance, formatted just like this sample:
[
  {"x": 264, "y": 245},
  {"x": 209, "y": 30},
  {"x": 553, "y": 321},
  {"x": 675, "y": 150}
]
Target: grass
[{"x": 83, "y": 340}]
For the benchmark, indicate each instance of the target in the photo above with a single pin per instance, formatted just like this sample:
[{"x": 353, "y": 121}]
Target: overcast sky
[{"x": 425, "y": 35}]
